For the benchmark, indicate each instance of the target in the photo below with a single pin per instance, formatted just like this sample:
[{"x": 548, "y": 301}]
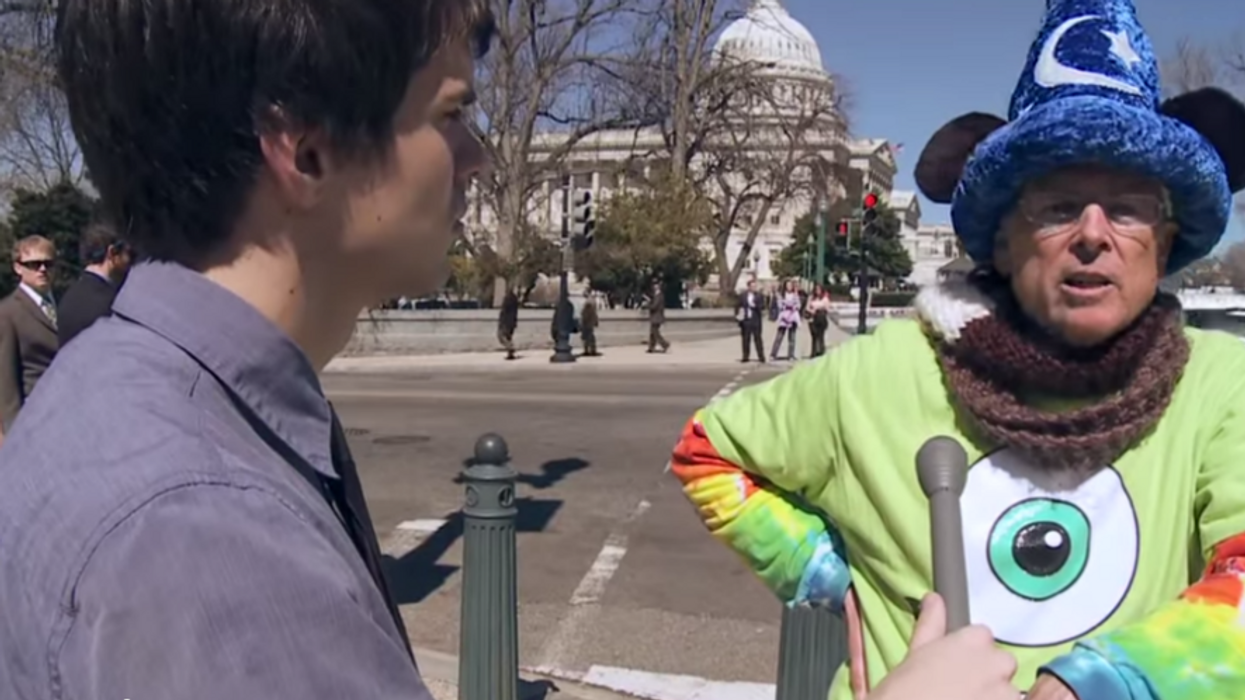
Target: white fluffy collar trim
[{"x": 945, "y": 309}]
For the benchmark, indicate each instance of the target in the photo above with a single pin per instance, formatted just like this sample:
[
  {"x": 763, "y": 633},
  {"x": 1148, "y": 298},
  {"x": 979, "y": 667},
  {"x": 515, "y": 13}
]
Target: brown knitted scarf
[{"x": 1001, "y": 359}]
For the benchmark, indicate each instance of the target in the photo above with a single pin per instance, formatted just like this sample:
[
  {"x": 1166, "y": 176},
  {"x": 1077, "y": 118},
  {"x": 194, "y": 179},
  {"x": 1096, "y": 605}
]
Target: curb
[
  {"x": 388, "y": 364},
  {"x": 413, "y": 364}
]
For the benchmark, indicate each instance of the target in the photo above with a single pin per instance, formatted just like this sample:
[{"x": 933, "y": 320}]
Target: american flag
[{"x": 896, "y": 149}]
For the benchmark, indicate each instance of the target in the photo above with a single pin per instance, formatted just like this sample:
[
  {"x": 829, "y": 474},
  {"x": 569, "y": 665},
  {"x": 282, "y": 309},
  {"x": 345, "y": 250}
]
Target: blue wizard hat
[{"x": 1089, "y": 94}]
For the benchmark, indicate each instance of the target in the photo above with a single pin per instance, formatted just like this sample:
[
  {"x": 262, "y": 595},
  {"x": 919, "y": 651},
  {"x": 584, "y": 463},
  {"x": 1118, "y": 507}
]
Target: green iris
[{"x": 1039, "y": 547}]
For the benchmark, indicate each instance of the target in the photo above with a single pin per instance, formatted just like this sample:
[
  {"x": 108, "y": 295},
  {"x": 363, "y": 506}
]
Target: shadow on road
[
  {"x": 551, "y": 472},
  {"x": 537, "y": 690},
  {"x": 419, "y": 573}
]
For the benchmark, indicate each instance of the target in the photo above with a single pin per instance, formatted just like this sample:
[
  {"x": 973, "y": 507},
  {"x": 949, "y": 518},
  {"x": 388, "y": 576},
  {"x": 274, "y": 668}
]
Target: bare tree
[
  {"x": 674, "y": 82},
  {"x": 1232, "y": 54},
  {"x": 783, "y": 143},
  {"x": 542, "y": 91},
  {"x": 1193, "y": 65},
  {"x": 1233, "y": 57},
  {"x": 1234, "y": 265},
  {"x": 1208, "y": 272},
  {"x": 37, "y": 146},
  {"x": 747, "y": 136}
]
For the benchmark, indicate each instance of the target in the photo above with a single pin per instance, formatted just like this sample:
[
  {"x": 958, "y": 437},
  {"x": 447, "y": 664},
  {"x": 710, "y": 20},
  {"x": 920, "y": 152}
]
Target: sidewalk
[
  {"x": 701, "y": 353},
  {"x": 440, "y": 673}
]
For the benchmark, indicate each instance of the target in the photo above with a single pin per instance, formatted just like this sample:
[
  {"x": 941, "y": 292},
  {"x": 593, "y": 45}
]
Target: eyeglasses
[
  {"x": 1131, "y": 215},
  {"x": 37, "y": 264}
]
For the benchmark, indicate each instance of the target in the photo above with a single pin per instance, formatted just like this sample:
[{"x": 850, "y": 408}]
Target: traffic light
[
  {"x": 583, "y": 220},
  {"x": 871, "y": 211},
  {"x": 843, "y": 228}
]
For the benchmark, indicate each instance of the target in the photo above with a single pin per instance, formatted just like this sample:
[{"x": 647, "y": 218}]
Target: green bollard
[
  {"x": 812, "y": 647},
  {"x": 488, "y": 660}
]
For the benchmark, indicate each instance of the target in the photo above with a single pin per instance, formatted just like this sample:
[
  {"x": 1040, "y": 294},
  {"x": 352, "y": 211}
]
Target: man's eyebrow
[{"x": 464, "y": 97}]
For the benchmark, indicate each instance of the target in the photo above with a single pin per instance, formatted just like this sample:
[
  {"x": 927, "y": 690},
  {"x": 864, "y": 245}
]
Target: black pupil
[{"x": 1034, "y": 551}]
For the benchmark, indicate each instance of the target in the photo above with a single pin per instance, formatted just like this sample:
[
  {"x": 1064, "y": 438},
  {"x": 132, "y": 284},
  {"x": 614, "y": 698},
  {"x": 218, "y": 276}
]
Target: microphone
[{"x": 942, "y": 469}]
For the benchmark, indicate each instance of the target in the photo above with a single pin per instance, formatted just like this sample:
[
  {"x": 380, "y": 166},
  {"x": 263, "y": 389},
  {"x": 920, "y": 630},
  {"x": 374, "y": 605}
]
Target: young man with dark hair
[
  {"x": 193, "y": 526},
  {"x": 107, "y": 260}
]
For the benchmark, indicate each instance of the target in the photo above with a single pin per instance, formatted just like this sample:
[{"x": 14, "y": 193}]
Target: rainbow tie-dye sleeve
[
  {"x": 794, "y": 551},
  {"x": 1190, "y": 649}
]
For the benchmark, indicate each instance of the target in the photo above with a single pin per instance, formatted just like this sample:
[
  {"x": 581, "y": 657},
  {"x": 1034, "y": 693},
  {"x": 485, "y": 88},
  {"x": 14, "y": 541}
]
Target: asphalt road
[{"x": 614, "y": 568}]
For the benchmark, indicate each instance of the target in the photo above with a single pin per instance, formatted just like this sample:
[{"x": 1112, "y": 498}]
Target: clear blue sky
[{"x": 912, "y": 65}]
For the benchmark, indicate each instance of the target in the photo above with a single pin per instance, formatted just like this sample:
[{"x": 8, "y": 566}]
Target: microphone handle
[{"x": 950, "y": 571}]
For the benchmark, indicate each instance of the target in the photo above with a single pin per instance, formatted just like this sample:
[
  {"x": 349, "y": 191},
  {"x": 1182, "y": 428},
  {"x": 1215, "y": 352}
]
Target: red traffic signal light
[
  {"x": 871, "y": 211},
  {"x": 842, "y": 228}
]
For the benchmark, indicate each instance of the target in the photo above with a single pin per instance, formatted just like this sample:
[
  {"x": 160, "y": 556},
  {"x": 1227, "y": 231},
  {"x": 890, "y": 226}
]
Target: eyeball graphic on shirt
[{"x": 1045, "y": 566}]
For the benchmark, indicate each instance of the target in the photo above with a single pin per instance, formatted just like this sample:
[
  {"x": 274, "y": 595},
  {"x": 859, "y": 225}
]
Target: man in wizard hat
[{"x": 1104, "y": 514}]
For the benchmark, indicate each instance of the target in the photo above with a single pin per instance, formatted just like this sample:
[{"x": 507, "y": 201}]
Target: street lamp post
[
  {"x": 862, "y": 321},
  {"x": 868, "y": 217},
  {"x": 808, "y": 255},
  {"x": 562, "y": 315},
  {"x": 822, "y": 214}
]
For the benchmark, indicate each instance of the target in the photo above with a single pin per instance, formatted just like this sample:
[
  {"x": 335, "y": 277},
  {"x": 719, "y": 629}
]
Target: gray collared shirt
[{"x": 161, "y": 534}]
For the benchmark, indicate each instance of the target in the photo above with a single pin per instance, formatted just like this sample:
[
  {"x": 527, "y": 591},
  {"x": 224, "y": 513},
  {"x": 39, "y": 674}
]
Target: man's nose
[
  {"x": 1093, "y": 233},
  {"x": 474, "y": 161}
]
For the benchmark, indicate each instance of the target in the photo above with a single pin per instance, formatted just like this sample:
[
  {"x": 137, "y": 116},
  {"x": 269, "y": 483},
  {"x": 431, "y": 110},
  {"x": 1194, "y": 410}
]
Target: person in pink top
[{"x": 788, "y": 320}]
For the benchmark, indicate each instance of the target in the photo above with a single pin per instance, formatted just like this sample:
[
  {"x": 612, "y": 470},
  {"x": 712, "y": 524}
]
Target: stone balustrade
[{"x": 437, "y": 331}]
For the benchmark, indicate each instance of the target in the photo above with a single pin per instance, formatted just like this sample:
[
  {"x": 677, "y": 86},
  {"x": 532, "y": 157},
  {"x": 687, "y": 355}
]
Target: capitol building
[{"x": 788, "y": 58}]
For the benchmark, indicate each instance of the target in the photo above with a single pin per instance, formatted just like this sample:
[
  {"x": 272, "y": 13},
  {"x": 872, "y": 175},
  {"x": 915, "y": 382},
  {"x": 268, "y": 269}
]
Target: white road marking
[
  {"x": 427, "y": 525},
  {"x": 592, "y": 586},
  {"x": 399, "y": 543},
  {"x": 407, "y": 536},
  {"x": 731, "y": 386},
  {"x": 585, "y": 603},
  {"x": 664, "y": 686}
]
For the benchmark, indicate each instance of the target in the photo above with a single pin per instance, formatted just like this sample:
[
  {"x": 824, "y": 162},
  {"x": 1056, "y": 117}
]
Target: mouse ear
[
  {"x": 942, "y": 162},
  {"x": 1220, "y": 119}
]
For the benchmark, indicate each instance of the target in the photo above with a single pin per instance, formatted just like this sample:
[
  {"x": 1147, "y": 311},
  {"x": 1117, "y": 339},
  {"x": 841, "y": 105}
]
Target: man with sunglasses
[
  {"x": 1104, "y": 509},
  {"x": 28, "y": 340}
]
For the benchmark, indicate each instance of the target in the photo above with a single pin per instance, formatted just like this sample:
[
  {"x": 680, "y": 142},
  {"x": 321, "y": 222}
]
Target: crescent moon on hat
[{"x": 1049, "y": 72}]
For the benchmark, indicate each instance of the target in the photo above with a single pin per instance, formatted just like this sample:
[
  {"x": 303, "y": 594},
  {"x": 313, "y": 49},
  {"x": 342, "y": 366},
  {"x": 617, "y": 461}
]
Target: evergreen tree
[{"x": 884, "y": 251}]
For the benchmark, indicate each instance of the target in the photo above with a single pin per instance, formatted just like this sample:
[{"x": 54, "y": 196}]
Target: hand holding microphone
[
  {"x": 959, "y": 665},
  {"x": 947, "y": 657}
]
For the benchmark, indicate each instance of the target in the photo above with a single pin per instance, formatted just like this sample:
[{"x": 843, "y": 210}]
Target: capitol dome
[{"x": 767, "y": 34}]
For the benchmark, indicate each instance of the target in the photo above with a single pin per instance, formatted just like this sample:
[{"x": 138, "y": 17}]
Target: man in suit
[
  {"x": 657, "y": 317},
  {"x": 107, "y": 260},
  {"x": 28, "y": 340},
  {"x": 508, "y": 322},
  {"x": 750, "y": 313}
]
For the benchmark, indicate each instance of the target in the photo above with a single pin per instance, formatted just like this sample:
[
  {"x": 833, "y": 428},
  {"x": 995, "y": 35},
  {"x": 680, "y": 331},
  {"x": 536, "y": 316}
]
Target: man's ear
[
  {"x": 1167, "y": 240},
  {"x": 1002, "y": 257},
  {"x": 296, "y": 159},
  {"x": 1002, "y": 262}
]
